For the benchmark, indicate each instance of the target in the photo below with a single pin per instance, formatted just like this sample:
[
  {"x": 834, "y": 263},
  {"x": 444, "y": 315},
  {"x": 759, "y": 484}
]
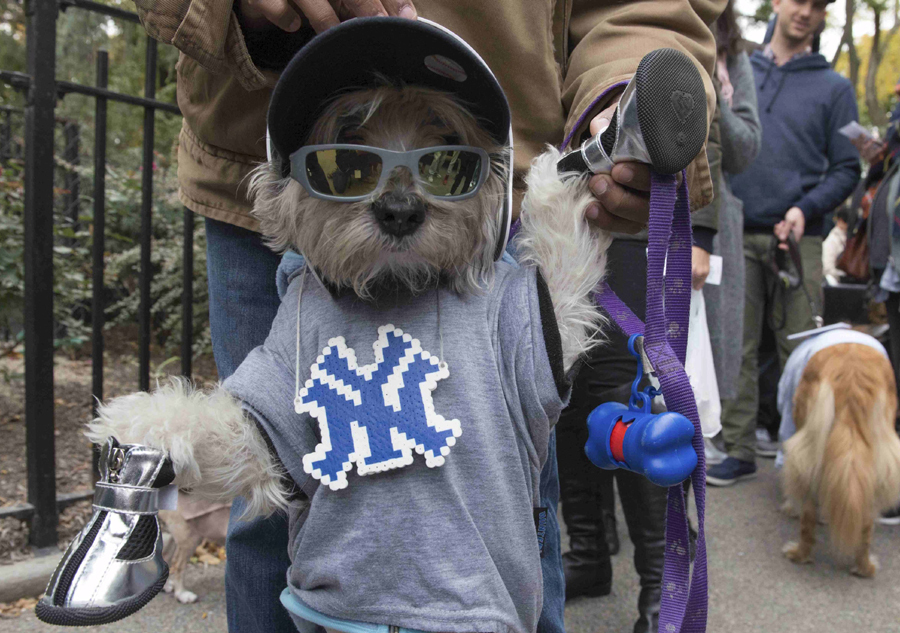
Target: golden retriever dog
[{"x": 844, "y": 458}]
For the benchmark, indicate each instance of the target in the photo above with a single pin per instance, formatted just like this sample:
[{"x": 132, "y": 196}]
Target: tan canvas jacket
[{"x": 553, "y": 58}]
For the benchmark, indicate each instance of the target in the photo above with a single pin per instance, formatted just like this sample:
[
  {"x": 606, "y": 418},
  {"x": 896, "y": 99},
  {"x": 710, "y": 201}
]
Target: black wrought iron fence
[{"x": 42, "y": 90}]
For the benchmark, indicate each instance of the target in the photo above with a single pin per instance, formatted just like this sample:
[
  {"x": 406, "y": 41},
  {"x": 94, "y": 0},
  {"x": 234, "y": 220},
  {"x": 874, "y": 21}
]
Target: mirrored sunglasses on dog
[{"x": 353, "y": 172}]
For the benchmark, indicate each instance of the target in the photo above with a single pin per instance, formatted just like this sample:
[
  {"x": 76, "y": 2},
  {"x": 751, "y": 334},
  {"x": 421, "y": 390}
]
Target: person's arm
[
  {"x": 607, "y": 41},
  {"x": 209, "y": 30},
  {"x": 740, "y": 130},
  {"x": 843, "y": 161}
]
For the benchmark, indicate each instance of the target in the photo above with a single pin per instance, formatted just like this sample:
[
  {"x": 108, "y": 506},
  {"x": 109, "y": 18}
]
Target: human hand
[
  {"x": 871, "y": 150},
  {"x": 794, "y": 222},
  {"x": 288, "y": 15},
  {"x": 623, "y": 196},
  {"x": 699, "y": 267}
]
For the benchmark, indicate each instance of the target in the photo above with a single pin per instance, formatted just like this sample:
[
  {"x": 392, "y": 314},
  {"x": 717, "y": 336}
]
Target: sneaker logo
[{"x": 683, "y": 104}]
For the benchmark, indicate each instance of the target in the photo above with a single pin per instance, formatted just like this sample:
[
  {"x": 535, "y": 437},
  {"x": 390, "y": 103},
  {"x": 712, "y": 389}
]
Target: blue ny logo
[{"x": 375, "y": 415}]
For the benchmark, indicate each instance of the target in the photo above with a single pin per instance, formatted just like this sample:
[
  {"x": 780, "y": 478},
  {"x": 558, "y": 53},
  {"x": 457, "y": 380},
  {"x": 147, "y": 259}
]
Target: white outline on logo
[{"x": 391, "y": 391}]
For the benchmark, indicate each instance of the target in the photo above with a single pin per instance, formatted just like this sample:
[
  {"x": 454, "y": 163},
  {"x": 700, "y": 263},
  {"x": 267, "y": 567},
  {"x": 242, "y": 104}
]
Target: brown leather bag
[{"x": 855, "y": 259}]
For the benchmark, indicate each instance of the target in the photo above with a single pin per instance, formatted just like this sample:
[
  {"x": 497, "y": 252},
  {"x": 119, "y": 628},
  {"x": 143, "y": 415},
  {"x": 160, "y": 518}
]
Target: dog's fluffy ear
[
  {"x": 275, "y": 199},
  {"x": 572, "y": 256},
  {"x": 216, "y": 450}
]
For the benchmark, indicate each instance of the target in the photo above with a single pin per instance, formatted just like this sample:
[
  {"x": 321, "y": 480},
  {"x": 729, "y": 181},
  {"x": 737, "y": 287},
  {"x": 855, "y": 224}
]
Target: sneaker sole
[
  {"x": 91, "y": 616},
  {"x": 889, "y": 521},
  {"x": 671, "y": 105},
  {"x": 724, "y": 483}
]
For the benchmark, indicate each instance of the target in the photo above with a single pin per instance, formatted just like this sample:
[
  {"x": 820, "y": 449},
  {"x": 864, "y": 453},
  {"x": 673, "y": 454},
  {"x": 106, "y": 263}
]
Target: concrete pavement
[{"x": 752, "y": 587}]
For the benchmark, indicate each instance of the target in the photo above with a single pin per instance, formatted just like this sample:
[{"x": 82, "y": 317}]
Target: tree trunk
[
  {"x": 848, "y": 41},
  {"x": 874, "y": 107}
]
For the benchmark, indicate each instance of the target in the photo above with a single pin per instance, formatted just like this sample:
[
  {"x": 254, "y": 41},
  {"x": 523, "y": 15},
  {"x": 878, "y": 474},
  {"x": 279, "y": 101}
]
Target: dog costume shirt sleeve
[
  {"x": 265, "y": 385},
  {"x": 530, "y": 351}
]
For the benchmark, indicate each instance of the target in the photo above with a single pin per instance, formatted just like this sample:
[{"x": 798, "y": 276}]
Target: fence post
[
  {"x": 39, "y": 128},
  {"x": 147, "y": 216},
  {"x": 98, "y": 246},
  {"x": 6, "y": 149},
  {"x": 72, "y": 180}
]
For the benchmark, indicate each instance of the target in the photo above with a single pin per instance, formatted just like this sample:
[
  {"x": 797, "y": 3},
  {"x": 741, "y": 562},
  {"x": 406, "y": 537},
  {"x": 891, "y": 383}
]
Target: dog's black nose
[{"x": 399, "y": 215}]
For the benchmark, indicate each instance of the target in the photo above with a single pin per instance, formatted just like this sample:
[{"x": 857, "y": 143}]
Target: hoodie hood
[{"x": 776, "y": 75}]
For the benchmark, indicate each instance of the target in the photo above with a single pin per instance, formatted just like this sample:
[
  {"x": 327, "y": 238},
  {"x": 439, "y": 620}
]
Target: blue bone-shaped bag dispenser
[{"x": 657, "y": 446}]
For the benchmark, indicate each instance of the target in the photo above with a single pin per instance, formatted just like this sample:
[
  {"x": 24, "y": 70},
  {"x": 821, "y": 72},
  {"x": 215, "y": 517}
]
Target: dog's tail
[{"x": 846, "y": 454}]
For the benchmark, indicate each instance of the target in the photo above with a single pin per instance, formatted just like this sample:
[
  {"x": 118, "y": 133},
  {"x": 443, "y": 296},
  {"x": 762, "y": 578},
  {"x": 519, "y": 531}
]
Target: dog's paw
[
  {"x": 186, "y": 597},
  {"x": 867, "y": 569},
  {"x": 169, "y": 587},
  {"x": 794, "y": 553}
]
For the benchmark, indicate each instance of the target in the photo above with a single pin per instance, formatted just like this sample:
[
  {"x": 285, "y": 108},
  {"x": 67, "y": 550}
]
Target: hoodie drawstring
[{"x": 777, "y": 92}]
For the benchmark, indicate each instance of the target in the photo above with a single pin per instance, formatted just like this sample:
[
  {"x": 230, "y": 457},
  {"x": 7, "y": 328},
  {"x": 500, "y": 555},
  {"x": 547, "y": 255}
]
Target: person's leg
[
  {"x": 551, "y": 620},
  {"x": 739, "y": 418},
  {"x": 644, "y": 505},
  {"x": 583, "y": 486},
  {"x": 243, "y": 302},
  {"x": 892, "y": 304},
  {"x": 587, "y": 564},
  {"x": 799, "y": 315}
]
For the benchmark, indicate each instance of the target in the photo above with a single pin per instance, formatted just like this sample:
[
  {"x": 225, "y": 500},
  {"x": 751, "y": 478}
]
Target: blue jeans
[{"x": 243, "y": 302}]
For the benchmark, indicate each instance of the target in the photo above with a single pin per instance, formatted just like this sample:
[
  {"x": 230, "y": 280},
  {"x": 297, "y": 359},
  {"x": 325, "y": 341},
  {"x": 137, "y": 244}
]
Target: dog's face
[{"x": 399, "y": 233}]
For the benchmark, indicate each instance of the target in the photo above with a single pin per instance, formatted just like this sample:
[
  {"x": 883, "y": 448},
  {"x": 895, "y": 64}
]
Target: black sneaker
[
  {"x": 890, "y": 517},
  {"x": 730, "y": 472}
]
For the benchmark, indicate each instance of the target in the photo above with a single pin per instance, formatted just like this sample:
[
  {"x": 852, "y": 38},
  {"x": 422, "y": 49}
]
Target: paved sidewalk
[{"x": 753, "y": 589}]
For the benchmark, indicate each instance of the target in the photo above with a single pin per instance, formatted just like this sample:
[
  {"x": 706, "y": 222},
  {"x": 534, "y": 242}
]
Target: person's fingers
[
  {"x": 402, "y": 8},
  {"x": 628, "y": 204},
  {"x": 632, "y": 175},
  {"x": 602, "y": 120},
  {"x": 320, "y": 14},
  {"x": 781, "y": 230},
  {"x": 603, "y": 219},
  {"x": 363, "y": 8},
  {"x": 278, "y": 12}
]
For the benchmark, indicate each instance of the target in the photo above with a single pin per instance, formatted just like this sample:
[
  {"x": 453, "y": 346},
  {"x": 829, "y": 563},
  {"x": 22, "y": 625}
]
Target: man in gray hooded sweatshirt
[{"x": 805, "y": 168}]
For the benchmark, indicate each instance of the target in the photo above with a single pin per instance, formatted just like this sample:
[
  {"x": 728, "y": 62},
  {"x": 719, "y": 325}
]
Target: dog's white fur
[
  {"x": 571, "y": 256},
  {"x": 216, "y": 449}
]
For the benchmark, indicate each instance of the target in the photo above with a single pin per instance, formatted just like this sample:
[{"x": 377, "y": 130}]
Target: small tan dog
[
  {"x": 845, "y": 456},
  {"x": 193, "y": 521}
]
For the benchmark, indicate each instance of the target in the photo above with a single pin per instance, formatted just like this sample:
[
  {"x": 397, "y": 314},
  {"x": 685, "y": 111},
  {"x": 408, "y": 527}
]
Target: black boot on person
[{"x": 587, "y": 564}]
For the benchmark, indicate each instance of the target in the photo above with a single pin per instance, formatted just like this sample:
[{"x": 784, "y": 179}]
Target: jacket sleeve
[
  {"x": 607, "y": 41},
  {"x": 205, "y": 30},
  {"x": 741, "y": 133},
  {"x": 705, "y": 221},
  {"x": 843, "y": 160}
]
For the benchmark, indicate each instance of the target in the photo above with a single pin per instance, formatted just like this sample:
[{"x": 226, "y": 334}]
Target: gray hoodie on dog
[{"x": 450, "y": 548}]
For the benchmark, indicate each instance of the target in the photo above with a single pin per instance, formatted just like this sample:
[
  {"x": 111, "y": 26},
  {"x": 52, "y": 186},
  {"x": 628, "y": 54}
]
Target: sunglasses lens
[
  {"x": 344, "y": 173},
  {"x": 450, "y": 172}
]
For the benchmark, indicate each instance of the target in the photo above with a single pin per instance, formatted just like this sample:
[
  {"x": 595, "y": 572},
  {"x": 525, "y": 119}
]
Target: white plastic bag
[{"x": 701, "y": 370}]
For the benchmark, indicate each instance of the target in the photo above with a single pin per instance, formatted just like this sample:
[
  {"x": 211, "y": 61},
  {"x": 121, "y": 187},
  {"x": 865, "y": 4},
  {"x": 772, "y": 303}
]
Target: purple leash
[
  {"x": 684, "y": 597},
  {"x": 684, "y": 603}
]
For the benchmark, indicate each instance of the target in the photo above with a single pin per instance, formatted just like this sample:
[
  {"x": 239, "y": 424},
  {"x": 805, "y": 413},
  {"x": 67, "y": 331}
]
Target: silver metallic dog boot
[
  {"x": 115, "y": 565},
  {"x": 660, "y": 120}
]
